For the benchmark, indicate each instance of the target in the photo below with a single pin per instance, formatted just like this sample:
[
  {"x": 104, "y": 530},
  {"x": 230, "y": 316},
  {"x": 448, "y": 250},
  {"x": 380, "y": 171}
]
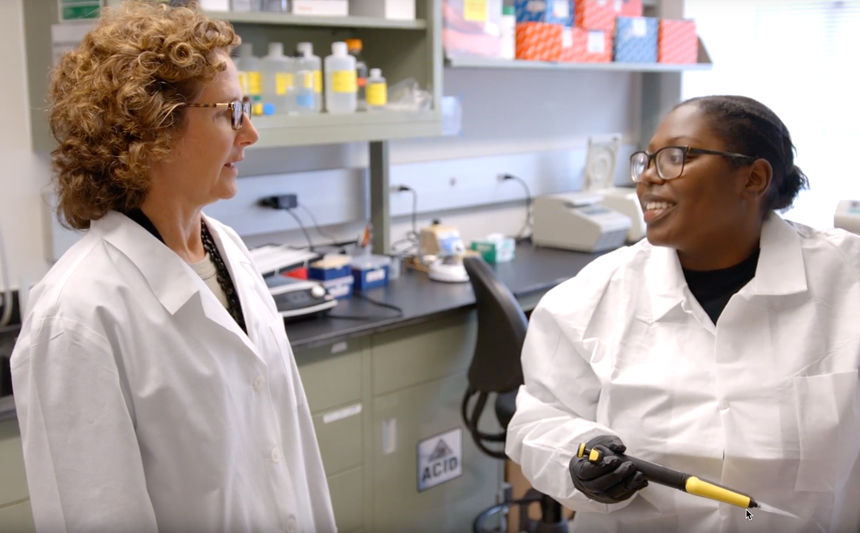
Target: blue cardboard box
[
  {"x": 550, "y": 11},
  {"x": 325, "y": 274},
  {"x": 369, "y": 278},
  {"x": 636, "y": 40}
]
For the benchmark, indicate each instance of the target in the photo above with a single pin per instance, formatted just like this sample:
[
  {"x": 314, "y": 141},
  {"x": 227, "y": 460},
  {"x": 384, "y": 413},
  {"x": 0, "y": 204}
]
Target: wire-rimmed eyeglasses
[
  {"x": 670, "y": 161},
  {"x": 238, "y": 109}
]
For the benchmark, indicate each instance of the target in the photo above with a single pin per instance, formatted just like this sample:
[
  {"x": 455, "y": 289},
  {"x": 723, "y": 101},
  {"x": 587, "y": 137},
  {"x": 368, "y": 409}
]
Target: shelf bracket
[{"x": 380, "y": 197}]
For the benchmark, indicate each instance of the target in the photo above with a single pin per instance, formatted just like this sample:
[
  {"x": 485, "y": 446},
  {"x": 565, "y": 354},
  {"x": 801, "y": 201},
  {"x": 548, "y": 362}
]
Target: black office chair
[{"x": 496, "y": 369}]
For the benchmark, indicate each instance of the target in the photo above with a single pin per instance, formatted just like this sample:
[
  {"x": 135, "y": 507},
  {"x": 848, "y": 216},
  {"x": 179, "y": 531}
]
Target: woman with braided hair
[{"x": 726, "y": 345}]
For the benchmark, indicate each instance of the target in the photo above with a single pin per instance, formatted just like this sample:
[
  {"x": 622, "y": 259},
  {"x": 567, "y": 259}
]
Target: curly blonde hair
[{"x": 115, "y": 101}]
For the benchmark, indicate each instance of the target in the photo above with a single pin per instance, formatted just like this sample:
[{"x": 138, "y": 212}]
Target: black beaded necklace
[{"x": 234, "y": 305}]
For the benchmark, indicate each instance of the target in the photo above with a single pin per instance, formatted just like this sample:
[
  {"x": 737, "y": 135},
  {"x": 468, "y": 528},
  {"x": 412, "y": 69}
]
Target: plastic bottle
[
  {"x": 509, "y": 33},
  {"x": 308, "y": 61},
  {"x": 377, "y": 90},
  {"x": 250, "y": 77},
  {"x": 244, "y": 5},
  {"x": 354, "y": 47},
  {"x": 277, "y": 71},
  {"x": 305, "y": 95},
  {"x": 340, "y": 86},
  {"x": 279, "y": 6}
]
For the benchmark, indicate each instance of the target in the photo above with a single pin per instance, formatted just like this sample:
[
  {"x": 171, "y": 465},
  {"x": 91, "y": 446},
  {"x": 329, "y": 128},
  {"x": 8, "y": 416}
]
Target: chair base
[{"x": 551, "y": 520}]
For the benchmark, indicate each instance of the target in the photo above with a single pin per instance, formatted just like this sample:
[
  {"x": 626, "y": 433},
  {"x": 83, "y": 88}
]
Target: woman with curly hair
[{"x": 154, "y": 382}]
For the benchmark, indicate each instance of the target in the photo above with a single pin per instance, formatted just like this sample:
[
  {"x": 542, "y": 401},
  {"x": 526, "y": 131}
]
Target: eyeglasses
[
  {"x": 670, "y": 161},
  {"x": 238, "y": 108}
]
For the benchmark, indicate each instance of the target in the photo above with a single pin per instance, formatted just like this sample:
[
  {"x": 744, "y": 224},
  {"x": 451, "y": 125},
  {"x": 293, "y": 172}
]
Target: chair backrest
[{"x": 501, "y": 331}]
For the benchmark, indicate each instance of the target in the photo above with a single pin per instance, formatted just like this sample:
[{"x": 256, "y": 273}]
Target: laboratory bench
[{"x": 382, "y": 386}]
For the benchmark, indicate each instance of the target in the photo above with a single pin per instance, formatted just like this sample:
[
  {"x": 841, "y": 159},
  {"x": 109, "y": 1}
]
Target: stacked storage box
[
  {"x": 590, "y": 40},
  {"x": 636, "y": 40},
  {"x": 677, "y": 42},
  {"x": 540, "y": 26}
]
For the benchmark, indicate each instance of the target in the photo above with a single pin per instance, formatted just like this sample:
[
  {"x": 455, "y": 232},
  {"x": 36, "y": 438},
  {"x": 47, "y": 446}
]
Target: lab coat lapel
[
  {"x": 780, "y": 268},
  {"x": 168, "y": 277},
  {"x": 664, "y": 281}
]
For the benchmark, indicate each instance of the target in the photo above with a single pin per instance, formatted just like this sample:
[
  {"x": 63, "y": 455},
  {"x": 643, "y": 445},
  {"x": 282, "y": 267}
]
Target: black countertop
[{"x": 533, "y": 271}]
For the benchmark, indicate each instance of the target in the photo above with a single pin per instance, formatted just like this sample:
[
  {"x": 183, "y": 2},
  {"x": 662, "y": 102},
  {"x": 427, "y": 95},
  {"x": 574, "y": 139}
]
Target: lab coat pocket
[{"x": 827, "y": 407}]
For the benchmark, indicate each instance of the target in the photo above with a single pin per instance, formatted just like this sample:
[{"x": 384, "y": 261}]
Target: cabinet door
[
  {"x": 346, "y": 499},
  {"x": 400, "y": 421}
]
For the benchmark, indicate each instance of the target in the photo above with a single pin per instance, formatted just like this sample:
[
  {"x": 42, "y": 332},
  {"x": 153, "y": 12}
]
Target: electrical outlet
[{"x": 280, "y": 201}]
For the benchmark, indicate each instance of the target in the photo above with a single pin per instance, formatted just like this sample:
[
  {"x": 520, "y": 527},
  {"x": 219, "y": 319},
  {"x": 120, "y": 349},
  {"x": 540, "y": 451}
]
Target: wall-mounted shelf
[
  {"x": 285, "y": 19},
  {"x": 303, "y": 130},
  {"x": 495, "y": 63}
]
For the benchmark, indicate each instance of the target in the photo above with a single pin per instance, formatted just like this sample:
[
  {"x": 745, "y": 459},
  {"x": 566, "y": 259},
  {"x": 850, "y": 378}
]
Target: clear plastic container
[
  {"x": 278, "y": 6},
  {"x": 250, "y": 77},
  {"x": 305, "y": 95},
  {"x": 377, "y": 90},
  {"x": 340, "y": 84},
  {"x": 244, "y": 5},
  {"x": 354, "y": 47},
  {"x": 277, "y": 71},
  {"x": 308, "y": 61}
]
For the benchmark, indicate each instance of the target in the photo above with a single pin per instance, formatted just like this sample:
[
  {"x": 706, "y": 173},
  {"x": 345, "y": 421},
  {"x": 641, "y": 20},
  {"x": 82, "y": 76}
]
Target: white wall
[{"x": 25, "y": 174}]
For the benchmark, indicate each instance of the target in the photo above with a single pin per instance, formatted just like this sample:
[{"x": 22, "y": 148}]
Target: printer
[
  {"x": 847, "y": 216},
  {"x": 598, "y": 178},
  {"x": 578, "y": 221}
]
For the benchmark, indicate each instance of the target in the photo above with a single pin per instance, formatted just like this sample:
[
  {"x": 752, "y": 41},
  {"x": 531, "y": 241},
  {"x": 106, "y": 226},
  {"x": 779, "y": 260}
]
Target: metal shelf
[
  {"x": 285, "y": 19},
  {"x": 323, "y": 128},
  {"x": 494, "y": 63}
]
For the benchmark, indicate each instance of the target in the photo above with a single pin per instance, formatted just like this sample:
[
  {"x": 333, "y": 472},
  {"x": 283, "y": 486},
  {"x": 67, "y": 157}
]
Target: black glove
[{"x": 609, "y": 480}]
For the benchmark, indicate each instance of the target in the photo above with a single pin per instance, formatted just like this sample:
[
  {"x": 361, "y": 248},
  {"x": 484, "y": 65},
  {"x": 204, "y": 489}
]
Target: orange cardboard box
[
  {"x": 539, "y": 41},
  {"x": 595, "y": 14},
  {"x": 677, "y": 42},
  {"x": 586, "y": 46}
]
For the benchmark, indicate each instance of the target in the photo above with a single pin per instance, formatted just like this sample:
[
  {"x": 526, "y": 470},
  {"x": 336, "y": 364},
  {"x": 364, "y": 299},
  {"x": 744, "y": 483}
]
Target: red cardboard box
[
  {"x": 628, "y": 8},
  {"x": 677, "y": 42},
  {"x": 595, "y": 14},
  {"x": 587, "y": 46},
  {"x": 539, "y": 41}
]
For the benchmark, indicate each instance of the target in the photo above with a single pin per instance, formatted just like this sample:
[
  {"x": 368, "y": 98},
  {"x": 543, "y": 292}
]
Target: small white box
[
  {"x": 329, "y": 8},
  {"x": 389, "y": 9}
]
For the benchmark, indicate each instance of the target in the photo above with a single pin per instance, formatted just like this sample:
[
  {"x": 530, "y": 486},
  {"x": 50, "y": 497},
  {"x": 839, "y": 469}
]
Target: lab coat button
[
  {"x": 292, "y": 526},
  {"x": 276, "y": 455},
  {"x": 724, "y": 405},
  {"x": 258, "y": 383}
]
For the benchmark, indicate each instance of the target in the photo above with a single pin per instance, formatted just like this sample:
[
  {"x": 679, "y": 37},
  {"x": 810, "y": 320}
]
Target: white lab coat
[
  {"x": 144, "y": 407},
  {"x": 766, "y": 402}
]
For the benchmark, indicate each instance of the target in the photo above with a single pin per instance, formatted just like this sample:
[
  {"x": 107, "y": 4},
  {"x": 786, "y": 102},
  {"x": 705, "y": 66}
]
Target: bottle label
[
  {"x": 343, "y": 81},
  {"x": 377, "y": 94},
  {"x": 307, "y": 81},
  {"x": 255, "y": 83},
  {"x": 318, "y": 81},
  {"x": 283, "y": 82}
]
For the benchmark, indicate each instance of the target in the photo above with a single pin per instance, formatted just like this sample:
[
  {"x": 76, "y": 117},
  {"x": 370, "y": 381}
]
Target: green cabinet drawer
[
  {"x": 13, "y": 480},
  {"x": 331, "y": 374},
  {"x": 422, "y": 353},
  {"x": 339, "y": 433},
  {"x": 346, "y": 499}
]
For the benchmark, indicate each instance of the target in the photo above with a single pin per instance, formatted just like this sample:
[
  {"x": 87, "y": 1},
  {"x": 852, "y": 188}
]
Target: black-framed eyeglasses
[
  {"x": 670, "y": 161},
  {"x": 238, "y": 110}
]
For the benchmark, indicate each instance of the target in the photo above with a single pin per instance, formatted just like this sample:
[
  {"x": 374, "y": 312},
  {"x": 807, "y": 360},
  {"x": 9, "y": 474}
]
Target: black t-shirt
[{"x": 714, "y": 288}]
